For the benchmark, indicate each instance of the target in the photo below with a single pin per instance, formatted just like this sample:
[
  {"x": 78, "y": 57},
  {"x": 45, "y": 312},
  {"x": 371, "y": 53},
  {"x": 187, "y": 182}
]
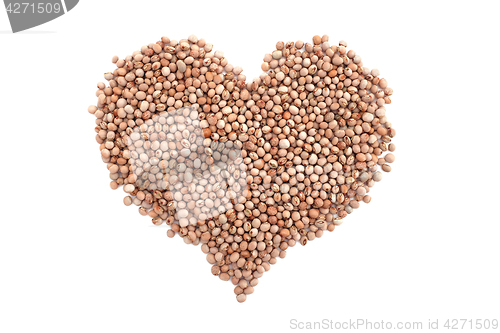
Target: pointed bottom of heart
[{"x": 244, "y": 268}]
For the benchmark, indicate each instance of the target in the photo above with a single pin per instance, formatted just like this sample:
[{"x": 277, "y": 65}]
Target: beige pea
[
  {"x": 390, "y": 158},
  {"x": 277, "y": 54},
  {"x": 127, "y": 201}
]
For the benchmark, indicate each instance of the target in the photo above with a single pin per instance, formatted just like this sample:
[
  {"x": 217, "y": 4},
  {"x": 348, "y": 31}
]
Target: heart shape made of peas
[{"x": 246, "y": 169}]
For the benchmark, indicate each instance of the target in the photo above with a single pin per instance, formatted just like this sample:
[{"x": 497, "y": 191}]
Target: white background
[{"x": 73, "y": 258}]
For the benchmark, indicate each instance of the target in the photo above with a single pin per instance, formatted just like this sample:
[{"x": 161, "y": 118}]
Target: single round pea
[
  {"x": 390, "y": 158},
  {"x": 377, "y": 176}
]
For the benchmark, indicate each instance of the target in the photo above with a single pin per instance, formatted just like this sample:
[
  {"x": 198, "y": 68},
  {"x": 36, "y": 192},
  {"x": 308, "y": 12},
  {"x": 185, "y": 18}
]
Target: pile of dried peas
[{"x": 311, "y": 131}]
